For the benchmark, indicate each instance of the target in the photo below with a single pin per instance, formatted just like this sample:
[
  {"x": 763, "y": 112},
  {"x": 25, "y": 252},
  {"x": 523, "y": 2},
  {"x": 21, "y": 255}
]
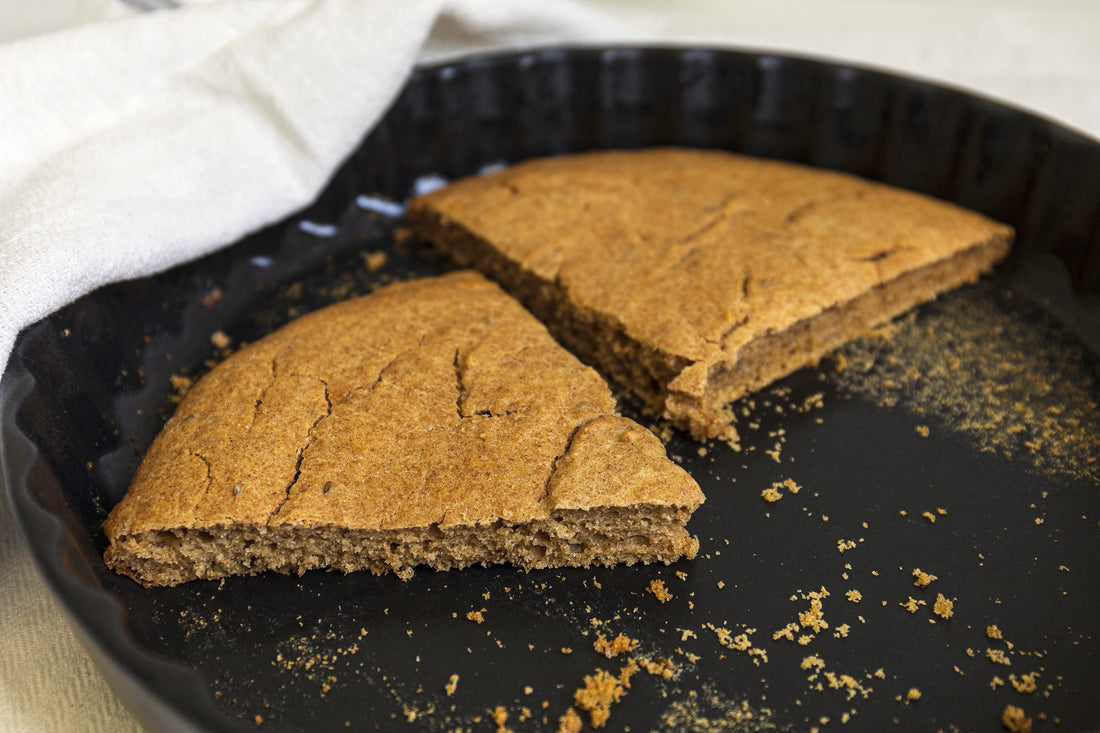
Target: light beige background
[{"x": 1041, "y": 56}]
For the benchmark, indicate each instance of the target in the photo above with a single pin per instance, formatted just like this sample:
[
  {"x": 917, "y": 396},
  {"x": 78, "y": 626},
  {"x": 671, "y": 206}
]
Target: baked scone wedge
[
  {"x": 434, "y": 422},
  {"x": 694, "y": 277}
]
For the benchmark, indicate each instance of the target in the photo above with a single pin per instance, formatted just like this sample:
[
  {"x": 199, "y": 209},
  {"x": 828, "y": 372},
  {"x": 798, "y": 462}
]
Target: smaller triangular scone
[
  {"x": 433, "y": 422},
  {"x": 694, "y": 277}
]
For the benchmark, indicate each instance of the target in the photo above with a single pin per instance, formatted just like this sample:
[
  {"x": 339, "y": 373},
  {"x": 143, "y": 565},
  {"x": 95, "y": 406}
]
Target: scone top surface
[
  {"x": 433, "y": 402},
  {"x": 697, "y": 253}
]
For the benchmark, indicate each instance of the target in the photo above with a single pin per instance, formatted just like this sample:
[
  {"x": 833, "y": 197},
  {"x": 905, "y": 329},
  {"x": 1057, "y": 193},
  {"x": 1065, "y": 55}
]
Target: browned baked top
[
  {"x": 697, "y": 253},
  {"x": 436, "y": 401}
]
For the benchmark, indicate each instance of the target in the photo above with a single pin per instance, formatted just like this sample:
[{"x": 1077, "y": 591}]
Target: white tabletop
[{"x": 1040, "y": 56}]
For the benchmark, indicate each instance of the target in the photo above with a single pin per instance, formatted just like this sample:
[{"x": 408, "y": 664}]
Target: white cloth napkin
[{"x": 136, "y": 142}]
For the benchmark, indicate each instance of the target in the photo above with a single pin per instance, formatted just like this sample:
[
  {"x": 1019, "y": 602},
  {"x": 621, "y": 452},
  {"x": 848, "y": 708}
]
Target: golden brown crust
[
  {"x": 670, "y": 267},
  {"x": 421, "y": 411}
]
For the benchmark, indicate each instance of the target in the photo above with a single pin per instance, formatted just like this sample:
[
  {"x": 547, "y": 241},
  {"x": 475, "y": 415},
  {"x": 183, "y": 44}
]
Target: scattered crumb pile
[
  {"x": 943, "y": 607},
  {"x": 1015, "y": 720},
  {"x": 775, "y": 492},
  {"x": 658, "y": 589},
  {"x": 989, "y": 373},
  {"x": 708, "y": 712},
  {"x": 602, "y": 690},
  {"x": 619, "y": 645},
  {"x": 740, "y": 643}
]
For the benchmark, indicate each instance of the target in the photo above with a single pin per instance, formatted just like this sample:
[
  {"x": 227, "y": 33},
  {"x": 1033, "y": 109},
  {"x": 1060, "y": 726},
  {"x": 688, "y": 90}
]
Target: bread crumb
[
  {"x": 1025, "y": 684},
  {"x": 929, "y": 516},
  {"x": 912, "y": 604},
  {"x": 998, "y": 656},
  {"x": 787, "y": 632},
  {"x": 209, "y": 300},
  {"x": 1014, "y": 720},
  {"x": 842, "y": 545},
  {"x": 846, "y": 682},
  {"x": 854, "y": 596},
  {"x": 452, "y": 685},
  {"x": 922, "y": 578},
  {"x": 619, "y": 645},
  {"x": 478, "y": 616},
  {"x": 566, "y": 650},
  {"x": 943, "y": 607},
  {"x": 923, "y": 431},
  {"x": 570, "y": 722},
  {"x": 500, "y": 716},
  {"x": 601, "y": 690},
  {"x": 740, "y": 643},
  {"x": 220, "y": 340},
  {"x": 996, "y": 682},
  {"x": 659, "y": 667},
  {"x": 993, "y": 632},
  {"x": 771, "y": 495},
  {"x": 374, "y": 261},
  {"x": 180, "y": 386},
  {"x": 813, "y": 662},
  {"x": 913, "y": 694},
  {"x": 658, "y": 589},
  {"x": 813, "y": 618}
]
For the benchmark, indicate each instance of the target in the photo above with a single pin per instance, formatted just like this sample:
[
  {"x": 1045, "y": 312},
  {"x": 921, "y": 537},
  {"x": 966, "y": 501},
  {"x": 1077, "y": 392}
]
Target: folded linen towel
[{"x": 148, "y": 139}]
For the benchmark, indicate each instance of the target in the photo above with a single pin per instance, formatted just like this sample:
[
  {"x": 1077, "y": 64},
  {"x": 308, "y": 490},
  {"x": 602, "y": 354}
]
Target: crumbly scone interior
[
  {"x": 607, "y": 536},
  {"x": 692, "y": 277},
  {"x": 432, "y": 422}
]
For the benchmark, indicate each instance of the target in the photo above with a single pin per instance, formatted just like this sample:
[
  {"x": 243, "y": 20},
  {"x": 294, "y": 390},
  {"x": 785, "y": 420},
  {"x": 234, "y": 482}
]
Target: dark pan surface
[{"x": 978, "y": 412}]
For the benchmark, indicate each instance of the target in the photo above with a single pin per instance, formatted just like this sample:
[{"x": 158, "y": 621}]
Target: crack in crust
[
  {"x": 263, "y": 394},
  {"x": 301, "y": 452},
  {"x": 560, "y": 457},
  {"x": 209, "y": 478},
  {"x": 462, "y": 394}
]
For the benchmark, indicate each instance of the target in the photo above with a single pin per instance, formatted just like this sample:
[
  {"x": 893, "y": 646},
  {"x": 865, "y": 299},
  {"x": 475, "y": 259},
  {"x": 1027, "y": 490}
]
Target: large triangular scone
[
  {"x": 694, "y": 277},
  {"x": 433, "y": 422}
]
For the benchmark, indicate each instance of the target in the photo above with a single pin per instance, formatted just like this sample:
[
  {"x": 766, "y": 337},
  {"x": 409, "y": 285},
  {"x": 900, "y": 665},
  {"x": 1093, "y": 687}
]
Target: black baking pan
[{"x": 960, "y": 443}]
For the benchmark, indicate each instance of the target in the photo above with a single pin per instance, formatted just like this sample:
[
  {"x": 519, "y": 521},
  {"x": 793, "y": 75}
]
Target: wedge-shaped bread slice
[
  {"x": 694, "y": 277},
  {"x": 433, "y": 422}
]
